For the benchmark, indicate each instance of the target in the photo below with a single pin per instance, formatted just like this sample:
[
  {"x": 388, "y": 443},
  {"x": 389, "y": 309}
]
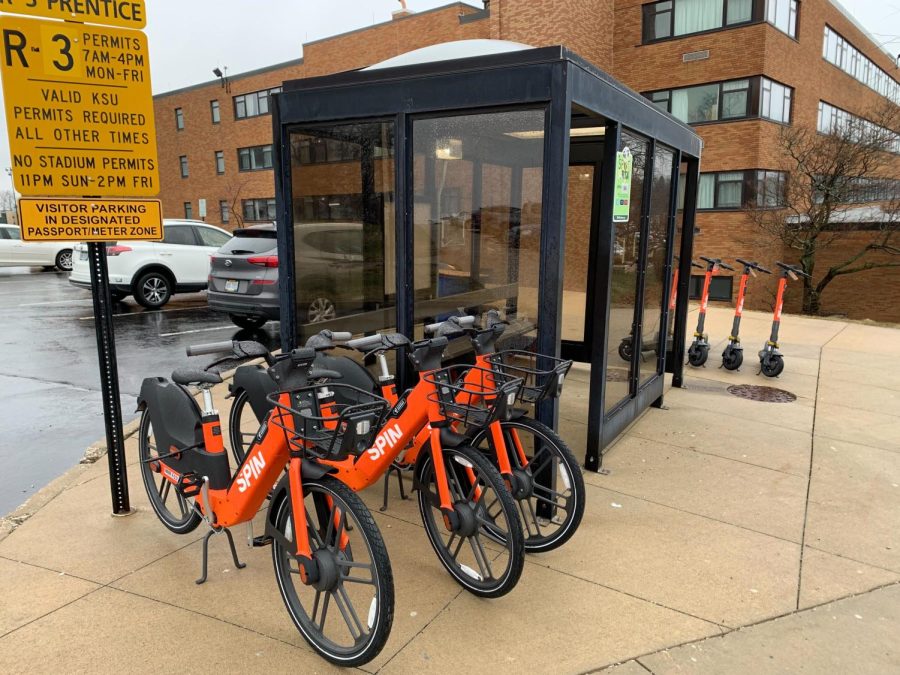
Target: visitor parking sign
[{"x": 90, "y": 219}]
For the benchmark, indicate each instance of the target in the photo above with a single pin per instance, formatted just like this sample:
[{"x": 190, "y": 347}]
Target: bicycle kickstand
[
  {"x": 234, "y": 556},
  {"x": 387, "y": 482}
]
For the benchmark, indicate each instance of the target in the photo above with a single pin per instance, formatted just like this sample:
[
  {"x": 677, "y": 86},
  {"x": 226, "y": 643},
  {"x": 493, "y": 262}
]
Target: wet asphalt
[{"x": 49, "y": 379}]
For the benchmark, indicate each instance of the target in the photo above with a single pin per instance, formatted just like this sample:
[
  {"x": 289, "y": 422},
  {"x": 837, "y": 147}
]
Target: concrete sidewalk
[{"x": 731, "y": 536}]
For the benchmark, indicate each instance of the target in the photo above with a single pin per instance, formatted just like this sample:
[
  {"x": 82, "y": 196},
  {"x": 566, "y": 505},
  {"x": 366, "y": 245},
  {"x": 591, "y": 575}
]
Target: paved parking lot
[{"x": 49, "y": 383}]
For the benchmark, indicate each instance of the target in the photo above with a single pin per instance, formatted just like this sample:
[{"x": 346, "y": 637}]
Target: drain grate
[{"x": 755, "y": 392}]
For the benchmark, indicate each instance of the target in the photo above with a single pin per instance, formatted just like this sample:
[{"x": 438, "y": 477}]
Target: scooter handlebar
[
  {"x": 697, "y": 265},
  {"x": 753, "y": 265},
  {"x": 210, "y": 348},
  {"x": 725, "y": 266},
  {"x": 792, "y": 268}
]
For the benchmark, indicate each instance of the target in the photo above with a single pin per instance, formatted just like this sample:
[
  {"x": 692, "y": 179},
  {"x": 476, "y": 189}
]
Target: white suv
[{"x": 153, "y": 271}]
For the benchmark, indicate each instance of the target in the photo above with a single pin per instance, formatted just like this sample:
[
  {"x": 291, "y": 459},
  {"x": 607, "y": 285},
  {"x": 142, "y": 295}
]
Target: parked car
[
  {"x": 329, "y": 265},
  {"x": 17, "y": 253},
  {"x": 154, "y": 271}
]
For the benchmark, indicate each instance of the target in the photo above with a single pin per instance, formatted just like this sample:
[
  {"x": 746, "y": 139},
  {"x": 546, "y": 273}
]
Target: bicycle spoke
[
  {"x": 564, "y": 507},
  {"x": 534, "y": 519},
  {"x": 341, "y": 599},
  {"x": 324, "y": 612},
  {"x": 342, "y": 520},
  {"x": 492, "y": 525},
  {"x": 550, "y": 491},
  {"x": 164, "y": 486},
  {"x": 481, "y": 557},
  {"x": 182, "y": 503}
]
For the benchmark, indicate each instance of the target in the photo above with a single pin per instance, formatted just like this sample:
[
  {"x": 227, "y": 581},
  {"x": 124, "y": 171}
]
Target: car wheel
[
  {"x": 250, "y": 322},
  {"x": 321, "y": 308},
  {"x": 64, "y": 260},
  {"x": 153, "y": 290}
]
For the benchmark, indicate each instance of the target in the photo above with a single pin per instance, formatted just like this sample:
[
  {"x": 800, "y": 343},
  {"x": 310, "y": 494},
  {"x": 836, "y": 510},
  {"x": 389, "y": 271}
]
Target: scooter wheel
[
  {"x": 625, "y": 349},
  {"x": 732, "y": 358},
  {"x": 697, "y": 355},
  {"x": 772, "y": 366}
]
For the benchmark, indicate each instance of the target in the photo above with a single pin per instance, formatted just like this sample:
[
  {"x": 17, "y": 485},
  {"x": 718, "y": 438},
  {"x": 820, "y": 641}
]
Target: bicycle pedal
[{"x": 262, "y": 540}]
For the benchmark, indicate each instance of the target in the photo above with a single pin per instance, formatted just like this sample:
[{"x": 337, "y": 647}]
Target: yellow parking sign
[{"x": 79, "y": 109}]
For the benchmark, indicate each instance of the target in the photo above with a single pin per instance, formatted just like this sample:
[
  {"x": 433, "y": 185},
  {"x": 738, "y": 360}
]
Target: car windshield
[{"x": 246, "y": 245}]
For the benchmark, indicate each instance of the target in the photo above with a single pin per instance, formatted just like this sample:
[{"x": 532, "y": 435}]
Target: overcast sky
[{"x": 189, "y": 39}]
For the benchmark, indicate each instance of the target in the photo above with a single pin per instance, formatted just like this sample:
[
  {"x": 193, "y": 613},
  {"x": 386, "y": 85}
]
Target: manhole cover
[{"x": 756, "y": 392}]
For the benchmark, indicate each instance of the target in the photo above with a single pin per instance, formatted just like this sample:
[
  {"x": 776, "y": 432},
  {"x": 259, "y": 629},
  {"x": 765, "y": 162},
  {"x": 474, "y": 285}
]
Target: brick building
[{"x": 737, "y": 70}]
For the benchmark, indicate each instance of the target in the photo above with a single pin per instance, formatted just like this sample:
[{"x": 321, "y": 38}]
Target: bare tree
[
  {"x": 235, "y": 206},
  {"x": 830, "y": 176},
  {"x": 7, "y": 200}
]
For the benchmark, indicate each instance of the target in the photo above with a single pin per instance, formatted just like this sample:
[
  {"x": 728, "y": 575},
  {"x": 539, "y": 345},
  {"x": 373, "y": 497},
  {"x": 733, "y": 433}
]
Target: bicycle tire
[
  {"x": 567, "y": 470},
  {"x": 187, "y": 519},
  {"x": 456, "y": 462},
  {"x": 236, "y": 435},
  {"x": 365, "y": 531}
]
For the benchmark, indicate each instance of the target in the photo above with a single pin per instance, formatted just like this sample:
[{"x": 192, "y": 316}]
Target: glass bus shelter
[{"x": 423, "y": 188}]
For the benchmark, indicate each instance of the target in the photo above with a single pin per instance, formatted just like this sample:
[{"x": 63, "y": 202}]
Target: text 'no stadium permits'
[{"x": 79, "y": 109}]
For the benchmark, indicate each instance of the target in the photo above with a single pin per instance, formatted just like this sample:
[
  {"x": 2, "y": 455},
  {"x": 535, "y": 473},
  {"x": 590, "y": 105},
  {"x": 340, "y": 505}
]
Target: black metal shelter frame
[{"x": 559, "y": 83}]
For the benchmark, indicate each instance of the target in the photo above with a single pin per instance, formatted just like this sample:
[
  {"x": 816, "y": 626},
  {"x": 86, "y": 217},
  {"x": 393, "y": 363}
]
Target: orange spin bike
[
  {"x": 327, "y": 550},
  {"x": 463, "y": 501},
  {"x": 540, "y": 470}
]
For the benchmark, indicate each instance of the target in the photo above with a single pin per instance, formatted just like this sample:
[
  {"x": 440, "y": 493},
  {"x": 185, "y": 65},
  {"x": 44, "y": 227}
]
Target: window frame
[
  {"x": 265, "y": 149},
  {"x": 179, "y": 119},
  {"x": 224, "y": 211},
  {"x": 750, "y": 190},
  {"x": 758, "y": 14},
  {"x": 269, "y": 204},
  {"x": 876, "y": 78},
  {"x": 215, "y": 111},
  {"x": 185, "y": 169},
  {"x": 188, "y": 213},
  {"x": 240, "y": 100},
  {"x": 220, "y": 162},
  {"x": 754, "y": 99}
]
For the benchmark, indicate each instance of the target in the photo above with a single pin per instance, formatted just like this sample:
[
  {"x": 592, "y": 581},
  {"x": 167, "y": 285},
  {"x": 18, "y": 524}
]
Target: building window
[
  {"x": 775, "y": 103},
  {"x": 224, "y": 212},
  {"x": 188, "y": 210},
  {"x": 856, "y": 190},
  {"x": 220, "y": 162},
  {"x": 740, "y": 189},
  {"x": 674, "y": 18},
  {"x": 837, "y": 51},
  {"x": 838, "y": 121},
  {"x": 322, "y": 151},
  {"x": 179, "y": 119},
  {"x": 214, "y": 111},
  {"x": 184, "y": 166},
  {"x": 258, "y": 209},
  {"x": 770, "y": 188},
  {"x": 734, "y": 99},
  {"x": 254, "y": 104},
  {"x": 255, "y": 158}
]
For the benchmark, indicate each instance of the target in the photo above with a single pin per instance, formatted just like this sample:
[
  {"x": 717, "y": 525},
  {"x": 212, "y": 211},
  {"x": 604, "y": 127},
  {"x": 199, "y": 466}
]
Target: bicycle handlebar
[
  {"x": 210, "y": 348},
  {"x": 459, "y": 321},
  {"x": 326, "y": 339}
]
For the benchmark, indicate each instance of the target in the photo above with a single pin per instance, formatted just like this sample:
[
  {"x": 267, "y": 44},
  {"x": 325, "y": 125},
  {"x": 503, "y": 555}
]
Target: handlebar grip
[
  {"x": 210, "y": 348},
  {"x": 366, "y": 343},
  {"x": 342, "y": 336},
  {"x": 461, "y": 321}
]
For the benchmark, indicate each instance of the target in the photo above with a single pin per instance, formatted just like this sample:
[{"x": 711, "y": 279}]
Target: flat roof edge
[{"x": 231, "y": 78}]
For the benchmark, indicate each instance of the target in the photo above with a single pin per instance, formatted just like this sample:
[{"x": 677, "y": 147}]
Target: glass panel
[
  {"x": 477, "y": 242},
  {"x": 577, "y": 250},
  {"x": 692, "y": 16},
  {"x": 655, "y": 270},
  {"x": 348, "y": 284},
  {"x": 739, "y": 11},
  {"x": 696, "y": 104},
  {"x": 728, "y": 190},
  {"x": 624, "y": 279},
  {"x": 706, "y": 191}
]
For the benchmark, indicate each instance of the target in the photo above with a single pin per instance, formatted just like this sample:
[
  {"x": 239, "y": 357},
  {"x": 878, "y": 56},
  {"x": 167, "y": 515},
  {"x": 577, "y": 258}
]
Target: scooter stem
[
  {"x": 779, "y": 303},
  {"x": 739, "y": 307}
]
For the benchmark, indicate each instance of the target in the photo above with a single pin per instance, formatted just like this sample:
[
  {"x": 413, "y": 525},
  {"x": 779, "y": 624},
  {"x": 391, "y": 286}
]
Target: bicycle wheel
[
  {"x": 242, "y": 425},
  {"x": 356, "y": 583},
  {"x": 170, "y": 506},
  {"x": 487, "y": 571},
  {"x": 549, "y": 491}
]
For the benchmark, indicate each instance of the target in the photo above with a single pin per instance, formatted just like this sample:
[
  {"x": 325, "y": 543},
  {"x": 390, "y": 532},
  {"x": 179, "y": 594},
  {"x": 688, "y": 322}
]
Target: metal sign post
[{"x": 109, "y": 378}]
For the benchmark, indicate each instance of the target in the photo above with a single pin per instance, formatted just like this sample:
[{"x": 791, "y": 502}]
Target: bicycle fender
[{"x": 257, "y": 383}]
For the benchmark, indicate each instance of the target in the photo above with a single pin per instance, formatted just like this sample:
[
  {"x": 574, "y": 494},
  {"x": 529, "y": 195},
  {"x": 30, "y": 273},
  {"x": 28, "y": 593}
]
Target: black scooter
[
  {"x": 771, "y": 361},
  {"x": 733, "y": 356},
  {"x": 698, "y": 352}
]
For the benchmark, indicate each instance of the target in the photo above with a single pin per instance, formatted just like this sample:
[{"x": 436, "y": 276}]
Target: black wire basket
[
  {"x": 330, "y": 421},
  {"x": 473, "y": 396},
  {"x": 542, "y": 376}
]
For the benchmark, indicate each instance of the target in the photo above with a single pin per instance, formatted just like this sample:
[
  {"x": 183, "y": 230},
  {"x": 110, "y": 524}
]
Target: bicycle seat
[{"x": 187, "y": 376}]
